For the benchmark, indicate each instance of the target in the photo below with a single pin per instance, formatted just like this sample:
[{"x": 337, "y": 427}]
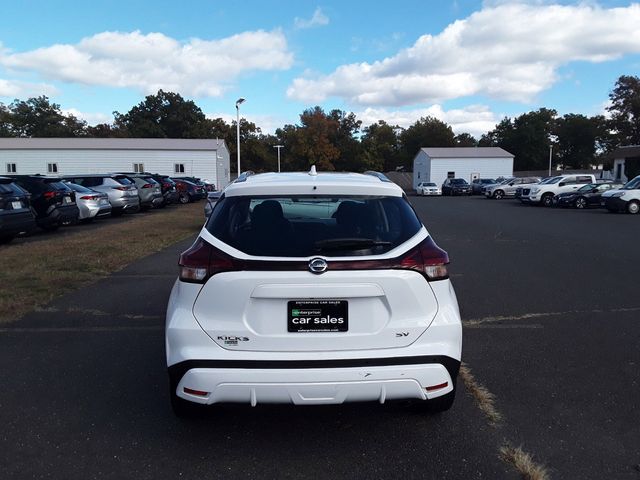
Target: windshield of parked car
[
  {"x": 11, "y": 188},
  {"x": 78, "y": 188},
  {"x": 546, "y": 181},
  {"x": 429, "y": 184},
  {"x": 632, "y": 184},
  {"x": 487, "y": 181},
  {"x": 303, "y": 226},
  {"x": 588, "y": 187},
  {"x": 459, "y": 181}
]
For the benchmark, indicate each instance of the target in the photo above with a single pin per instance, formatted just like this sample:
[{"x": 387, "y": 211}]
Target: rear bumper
[
  {"x": 315, "y": 382},
  {"x": 14, "y": 222}
]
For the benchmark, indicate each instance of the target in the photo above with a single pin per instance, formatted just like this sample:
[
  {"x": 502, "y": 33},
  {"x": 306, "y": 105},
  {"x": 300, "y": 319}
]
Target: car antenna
[{"x": 312, "y": 171}]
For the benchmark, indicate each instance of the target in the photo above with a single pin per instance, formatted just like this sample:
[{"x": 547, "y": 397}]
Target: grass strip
[
  {"x": 483, "y": 397},
  {"x": 34, "y": 273},
  {"x": 523, "y": 463}
]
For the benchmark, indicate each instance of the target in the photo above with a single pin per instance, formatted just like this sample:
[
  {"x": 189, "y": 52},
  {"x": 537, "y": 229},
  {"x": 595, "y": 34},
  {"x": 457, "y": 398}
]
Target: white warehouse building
[
  {"x": 206, "y": 159},
  {"x": 437, "y": 164}
]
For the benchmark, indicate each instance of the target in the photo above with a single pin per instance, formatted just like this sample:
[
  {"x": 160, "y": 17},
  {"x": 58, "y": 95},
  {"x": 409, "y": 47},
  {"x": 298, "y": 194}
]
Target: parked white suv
[
  {"x": 544, "y": 192},
  {"x": 313, "y": 289},
  {"x": 508, "y": 187},
  {"x": 625, "y": 199}
]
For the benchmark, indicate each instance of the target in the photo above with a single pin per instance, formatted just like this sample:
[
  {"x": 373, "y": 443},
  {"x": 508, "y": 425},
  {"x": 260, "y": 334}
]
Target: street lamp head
[{"x": 239, "y": 101}]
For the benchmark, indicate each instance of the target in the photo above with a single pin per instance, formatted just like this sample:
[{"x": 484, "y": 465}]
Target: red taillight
[
  {"x": 50, "y": 195},
  {"x": 202, "y": 260},
  {"x": 147, "y": 185},
  {"x": 166, "y": 185},
  {"x": 427, "y": 258},
  {"x": 89, "y": 197}
]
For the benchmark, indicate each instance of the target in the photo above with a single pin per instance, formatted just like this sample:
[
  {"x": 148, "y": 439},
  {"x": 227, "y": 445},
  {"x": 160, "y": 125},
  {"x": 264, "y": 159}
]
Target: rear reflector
[
  {"x": 434, "y": 387},
  {"x": 199, "y": 393}
]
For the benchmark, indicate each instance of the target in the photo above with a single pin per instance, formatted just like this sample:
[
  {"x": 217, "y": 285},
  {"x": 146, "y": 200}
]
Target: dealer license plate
[{"x": 317, "y": 316}]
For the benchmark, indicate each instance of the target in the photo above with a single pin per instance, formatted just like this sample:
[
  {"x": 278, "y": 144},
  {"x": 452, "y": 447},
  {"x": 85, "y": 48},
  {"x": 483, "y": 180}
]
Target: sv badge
[{"x": 402, "y": 334}]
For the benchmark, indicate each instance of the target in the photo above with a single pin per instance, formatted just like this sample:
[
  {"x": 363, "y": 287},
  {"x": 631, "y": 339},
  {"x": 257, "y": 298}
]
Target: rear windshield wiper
[{"x": 348, "y": 244}]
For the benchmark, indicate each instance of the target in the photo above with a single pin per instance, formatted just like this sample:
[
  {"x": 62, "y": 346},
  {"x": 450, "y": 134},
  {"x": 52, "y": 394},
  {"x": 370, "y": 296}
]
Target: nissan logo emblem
[{"x": 317, "y": 265}]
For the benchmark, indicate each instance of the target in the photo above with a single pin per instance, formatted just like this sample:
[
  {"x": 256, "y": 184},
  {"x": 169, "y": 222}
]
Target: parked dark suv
[
  {"x": 209, "y": 187},
  {"x": 456, "y": 186},
  {"x": 168, "y": 186},
  {"x": 15, "y": 210},
  {"x": 189, "y": 191},
  {"x": 54, "y": 202}
]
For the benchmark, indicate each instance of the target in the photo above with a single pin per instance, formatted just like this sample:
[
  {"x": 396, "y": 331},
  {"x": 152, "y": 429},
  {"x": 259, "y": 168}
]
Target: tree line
[{"x": 336, "y": 140}]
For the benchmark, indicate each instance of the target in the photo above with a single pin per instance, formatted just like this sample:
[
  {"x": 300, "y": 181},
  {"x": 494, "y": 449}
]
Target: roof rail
[
  {"x": 243, "y": 176},
  {"x": 381, "y": 176}
]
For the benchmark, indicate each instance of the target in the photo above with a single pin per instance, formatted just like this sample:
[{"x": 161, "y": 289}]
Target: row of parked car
[
  {"x": 31, "y": 201},
  {"x": 578, "y": 191}
]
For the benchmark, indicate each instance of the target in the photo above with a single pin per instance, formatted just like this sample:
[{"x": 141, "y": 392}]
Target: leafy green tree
[
  {"x": 164, "y": 115},
  {"x": 465, "y": 140},
  {"x": 5, "y": 121},
  {"x": 37, "y": 117},
  {"x": 526, "y": 137},
  {"x": 426, "y": 132},
  {"x": 577, "y": 139},
  {"x": 625, "y": 110},
  {"x": 380, "y": 147},
  {"x": 344, "y": 139}
]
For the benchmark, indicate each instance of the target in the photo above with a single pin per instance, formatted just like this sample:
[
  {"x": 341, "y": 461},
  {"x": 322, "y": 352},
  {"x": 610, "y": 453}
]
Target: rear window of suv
[{"x": 303, "y": 226}]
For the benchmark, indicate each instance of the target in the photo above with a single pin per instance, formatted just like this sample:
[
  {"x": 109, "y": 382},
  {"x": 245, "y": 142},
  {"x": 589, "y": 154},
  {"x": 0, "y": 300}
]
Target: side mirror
[{"x": 561, "y": 184}]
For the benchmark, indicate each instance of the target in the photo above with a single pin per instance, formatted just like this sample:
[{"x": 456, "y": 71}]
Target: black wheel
[
  {"x": 581, "y": 202},
  {"x": 547, "y": 199},
  {"x": 498, "y": 194},
  {"x": 633, "y": 207},
  {"x": 182, "y": 408},
  {"x": 184, "y": 198},
  {"x": 443, "y": 403}
]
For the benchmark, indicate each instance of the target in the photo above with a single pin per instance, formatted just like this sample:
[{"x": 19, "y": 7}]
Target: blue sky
[{"x": 468, "y": 63}]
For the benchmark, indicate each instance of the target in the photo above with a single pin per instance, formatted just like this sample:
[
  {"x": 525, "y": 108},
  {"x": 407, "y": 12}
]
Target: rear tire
[
  {"x": 581, "y": 202},
  {"x": 547, "y": 199},
  {"x": 443, "y": 403},
  {"x": 182, "y": 408},
  {"x": 633, "y": 207},
  {"x": 184, "y": 198}
]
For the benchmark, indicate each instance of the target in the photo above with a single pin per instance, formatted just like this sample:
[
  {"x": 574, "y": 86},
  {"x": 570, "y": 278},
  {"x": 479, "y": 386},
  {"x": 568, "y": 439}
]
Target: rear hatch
[
  {"x": 58, "y": 194},
  {"x": 260, "y": 292},
  {"x": 12, "y": 197},
  {"x": 128, "y": 185}
]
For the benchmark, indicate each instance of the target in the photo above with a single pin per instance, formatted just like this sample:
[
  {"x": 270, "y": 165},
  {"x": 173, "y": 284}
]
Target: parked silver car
[
  {"x": 91, "y": 203},
  {"x": 122, "y": 192},
  {"x": 149, "y": 190},
  {"x": 508, "y": 187}
]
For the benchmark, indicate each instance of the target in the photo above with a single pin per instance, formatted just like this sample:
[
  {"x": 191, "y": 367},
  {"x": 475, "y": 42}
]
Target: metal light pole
[
  {"x": 552, "y": 138},
  {"x": 278, "y": 147},
  {"x": 238, "y": 102}
]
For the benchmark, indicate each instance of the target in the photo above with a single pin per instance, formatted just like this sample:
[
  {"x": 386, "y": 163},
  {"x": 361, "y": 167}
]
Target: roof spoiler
[{"x": 381, "y": 176}]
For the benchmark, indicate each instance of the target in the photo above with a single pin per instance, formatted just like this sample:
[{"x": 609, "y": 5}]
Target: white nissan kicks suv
[{"x": 313, "y": 288}]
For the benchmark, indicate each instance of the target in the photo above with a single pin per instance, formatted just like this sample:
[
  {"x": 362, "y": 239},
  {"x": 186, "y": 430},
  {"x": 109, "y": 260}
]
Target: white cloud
[
  {"x": 318, "y": 19},
  {"x": 474, "y": 119},
  {"x": 151, "y": 61},
  {"x": 14, "y": 89},
  {"x": 504, "y": 51},
  {"x": 91, "y": 118}
]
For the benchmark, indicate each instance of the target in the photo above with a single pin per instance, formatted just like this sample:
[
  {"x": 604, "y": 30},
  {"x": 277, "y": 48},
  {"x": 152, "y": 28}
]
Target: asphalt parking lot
[{"x": 551, "y": 311}]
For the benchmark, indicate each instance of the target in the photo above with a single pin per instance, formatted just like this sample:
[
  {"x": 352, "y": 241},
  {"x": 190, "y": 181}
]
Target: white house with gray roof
[
  {"x": 206, "y": 159},
  {"x": 437, "y": 164}
]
